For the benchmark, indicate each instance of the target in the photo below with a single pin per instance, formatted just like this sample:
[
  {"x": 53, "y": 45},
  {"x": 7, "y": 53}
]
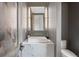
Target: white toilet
[{"x": 65, "y": 52}]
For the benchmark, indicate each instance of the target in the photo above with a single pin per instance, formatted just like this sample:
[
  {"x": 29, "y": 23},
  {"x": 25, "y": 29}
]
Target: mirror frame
[{"x": 29, "y": 12}]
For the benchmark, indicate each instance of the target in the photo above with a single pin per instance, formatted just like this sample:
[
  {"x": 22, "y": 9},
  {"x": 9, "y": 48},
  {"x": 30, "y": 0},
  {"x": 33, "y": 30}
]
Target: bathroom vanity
[{"x": 38, "y": 46}]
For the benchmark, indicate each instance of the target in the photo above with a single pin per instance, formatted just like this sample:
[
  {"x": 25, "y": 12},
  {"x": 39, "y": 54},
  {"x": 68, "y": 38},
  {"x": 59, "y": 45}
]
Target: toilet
[{"x": 66, "y": 52}]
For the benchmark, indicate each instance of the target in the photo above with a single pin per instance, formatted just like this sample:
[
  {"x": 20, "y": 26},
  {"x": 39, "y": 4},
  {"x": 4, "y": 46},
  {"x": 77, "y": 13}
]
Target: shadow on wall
[
  {"x": 8, "y": 42},
  {"x": 53, "y": 35}
]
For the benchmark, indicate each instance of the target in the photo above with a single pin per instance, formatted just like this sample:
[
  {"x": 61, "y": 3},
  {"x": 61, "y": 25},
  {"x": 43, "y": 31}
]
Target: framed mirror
[{"x": 37, "y": 19}]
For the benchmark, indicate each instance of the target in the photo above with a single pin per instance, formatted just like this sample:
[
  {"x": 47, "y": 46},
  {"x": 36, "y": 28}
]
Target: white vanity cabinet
[{"x": 38, "y": 49}]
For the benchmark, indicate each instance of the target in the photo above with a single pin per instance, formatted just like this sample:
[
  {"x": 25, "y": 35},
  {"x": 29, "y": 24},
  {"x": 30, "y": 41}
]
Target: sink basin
[{"x": 38, "y": 39}]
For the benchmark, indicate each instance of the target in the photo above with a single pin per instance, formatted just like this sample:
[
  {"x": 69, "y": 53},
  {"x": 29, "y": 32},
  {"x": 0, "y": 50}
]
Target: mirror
[
  {"x": 37, "y": 18},
  {"x": 38, "y": 22}
]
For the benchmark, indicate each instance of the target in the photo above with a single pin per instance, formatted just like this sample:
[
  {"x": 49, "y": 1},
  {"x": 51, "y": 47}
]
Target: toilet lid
[{"x": 67, "y": 53}]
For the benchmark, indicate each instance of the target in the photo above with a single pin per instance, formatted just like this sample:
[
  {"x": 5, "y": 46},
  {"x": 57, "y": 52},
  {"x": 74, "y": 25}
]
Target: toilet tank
[{"x": 63, "y": 44}]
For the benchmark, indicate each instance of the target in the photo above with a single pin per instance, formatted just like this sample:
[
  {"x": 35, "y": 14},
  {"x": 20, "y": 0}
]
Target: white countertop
[{"x": 38, "y": 40}]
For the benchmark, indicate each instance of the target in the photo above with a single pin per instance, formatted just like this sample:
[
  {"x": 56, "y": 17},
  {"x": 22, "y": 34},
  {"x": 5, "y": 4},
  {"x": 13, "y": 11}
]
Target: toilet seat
[{"x": 67, "y": 53}]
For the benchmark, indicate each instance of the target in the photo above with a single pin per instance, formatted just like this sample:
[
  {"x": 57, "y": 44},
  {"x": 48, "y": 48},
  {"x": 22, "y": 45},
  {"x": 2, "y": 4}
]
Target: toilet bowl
[{"x": 66, "y": 52}]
